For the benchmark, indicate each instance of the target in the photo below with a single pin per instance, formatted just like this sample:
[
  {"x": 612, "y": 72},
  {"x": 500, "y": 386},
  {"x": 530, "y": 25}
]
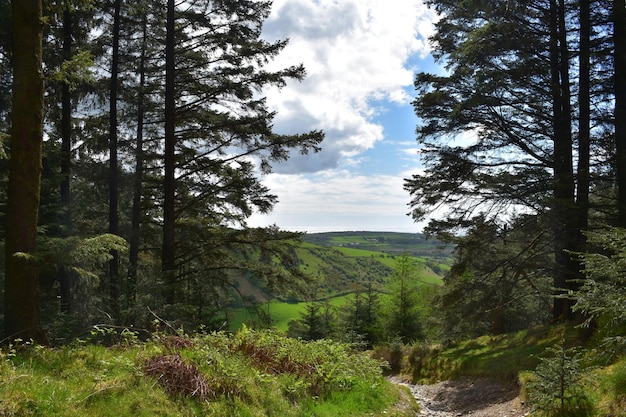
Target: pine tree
[
  {"x": 22, "y": 316},
  {"x": 401, "y": 317},
  {"x": 508, "y": 95},
  {"x": 216, "y": 125}
]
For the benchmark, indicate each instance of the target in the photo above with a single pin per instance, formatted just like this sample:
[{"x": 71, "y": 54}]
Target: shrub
[{"x": 555, "y": 388}]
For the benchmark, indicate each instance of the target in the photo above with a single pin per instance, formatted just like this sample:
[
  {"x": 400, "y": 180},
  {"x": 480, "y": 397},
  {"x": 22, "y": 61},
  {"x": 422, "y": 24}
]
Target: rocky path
[{"x": 470, "y": 397}]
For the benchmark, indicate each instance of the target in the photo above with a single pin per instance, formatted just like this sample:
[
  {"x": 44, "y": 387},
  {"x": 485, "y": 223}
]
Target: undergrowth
[{"x": 249, "y": 373}]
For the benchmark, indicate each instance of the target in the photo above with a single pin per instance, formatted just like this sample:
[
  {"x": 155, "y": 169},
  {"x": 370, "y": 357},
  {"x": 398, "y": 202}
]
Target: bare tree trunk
[
  {"x": 114, "y": 284},
  {"x": 619, "y": 40},
  {"x": 168, "y": 259},
  {"x": 22, "y": 317},
  {"x": 563, "y": 210},
  {"x": 584, "y": 108},
  {"x": 66, "y": 161},
  {"x": 133, "y": 256}
]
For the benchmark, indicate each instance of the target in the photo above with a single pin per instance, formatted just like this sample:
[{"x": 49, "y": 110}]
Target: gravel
[{"x": 467, "y": 397}]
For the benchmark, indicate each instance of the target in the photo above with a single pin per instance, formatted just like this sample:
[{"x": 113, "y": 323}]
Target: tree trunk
[
  {"x": 564, "y": 223},
  {"x": 66, "y": 161},
  {"x": 113, "y": 164},
  {"x": 133, "y": 255},
  {"x": 169, "y": 187},
  {"x": 584, "y": 107},
  {"x": 619, "y": 40},
  {"x": 22, "y": 317}
]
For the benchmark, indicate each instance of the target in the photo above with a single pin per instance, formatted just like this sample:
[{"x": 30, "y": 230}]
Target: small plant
[{"x": 556, "y": 388}]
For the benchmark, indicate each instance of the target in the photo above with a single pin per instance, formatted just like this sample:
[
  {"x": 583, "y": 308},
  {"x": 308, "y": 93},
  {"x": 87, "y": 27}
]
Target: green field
[
  {"x": 281, "y": 312},
  {"x": 343, "y": 262}
]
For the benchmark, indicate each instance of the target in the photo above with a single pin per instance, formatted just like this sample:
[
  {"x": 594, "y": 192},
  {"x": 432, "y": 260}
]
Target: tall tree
[
  {"x": 22, "y": 316},
  {"x": 584, "y": 118},
  {"x": 136, "y": 211},
  {"x": 564, "y": 214},
  {"x": 218, "y": 130},
  {"x": 114, "y": 281},
  {"x": 402, "y": 316},
  {"x": 498, "y": 132},
  {"x": 66, "y": 157},
  {"x": 619, "y": 56},
  {"x": 168, "y": 256}
]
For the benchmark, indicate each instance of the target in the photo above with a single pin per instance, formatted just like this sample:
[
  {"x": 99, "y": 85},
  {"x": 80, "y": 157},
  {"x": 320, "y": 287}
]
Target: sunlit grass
[{"x": 247, "y": 374}]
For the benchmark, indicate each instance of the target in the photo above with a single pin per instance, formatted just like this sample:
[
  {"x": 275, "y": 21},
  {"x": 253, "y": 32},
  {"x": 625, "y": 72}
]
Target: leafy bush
[{"x": 324, "y": 365}]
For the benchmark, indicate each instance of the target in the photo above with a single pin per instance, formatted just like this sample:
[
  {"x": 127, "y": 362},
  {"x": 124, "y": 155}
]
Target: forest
[{"x": 134, "y": 136}]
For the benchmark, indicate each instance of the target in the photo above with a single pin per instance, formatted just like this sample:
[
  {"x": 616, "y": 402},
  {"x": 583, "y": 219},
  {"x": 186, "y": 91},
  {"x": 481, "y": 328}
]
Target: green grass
[
  {"x": 499, "y": 357},
  {"x": 246, "y": 374},
  {"x": 281, "y": 312}
]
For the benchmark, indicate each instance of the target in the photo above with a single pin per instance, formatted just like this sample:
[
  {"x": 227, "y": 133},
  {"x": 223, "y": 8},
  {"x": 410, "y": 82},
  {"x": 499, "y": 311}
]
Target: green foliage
[
  {"x": 497, "y": 357},
  {"x": 601, "y": 297},
  {"x": 359, "y": 317},
  {"x": 497, "y": 282},
  {"x": 76, "y": 71},
  {"x": 247, "y": 374},
  {"x": 316, "y": 323},
  {"x": 401, "y": 314},
  {"x": 614, "y": 390},
  {"x": 556, "y": 388}
]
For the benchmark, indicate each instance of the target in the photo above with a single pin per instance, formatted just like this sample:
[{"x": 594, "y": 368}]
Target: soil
[{"x": 467, "y": 397}]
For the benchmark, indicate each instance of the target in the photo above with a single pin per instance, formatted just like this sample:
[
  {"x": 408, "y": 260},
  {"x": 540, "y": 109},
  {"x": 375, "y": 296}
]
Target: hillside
[
  {"x": 341, "y": 262},
  {"x": 391, "y": 243}
]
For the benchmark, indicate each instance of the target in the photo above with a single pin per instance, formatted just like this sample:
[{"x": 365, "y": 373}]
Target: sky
[{"x": 361, "y": 57}]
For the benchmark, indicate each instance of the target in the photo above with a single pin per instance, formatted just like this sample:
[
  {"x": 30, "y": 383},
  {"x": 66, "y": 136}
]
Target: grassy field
[
  {"x": 340, "y": 263},
  {"x": 281, "y": 312}
]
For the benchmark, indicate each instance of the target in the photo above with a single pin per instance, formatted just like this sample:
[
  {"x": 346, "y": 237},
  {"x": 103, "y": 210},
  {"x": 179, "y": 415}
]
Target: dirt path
[{"x": 469, "y": 397}]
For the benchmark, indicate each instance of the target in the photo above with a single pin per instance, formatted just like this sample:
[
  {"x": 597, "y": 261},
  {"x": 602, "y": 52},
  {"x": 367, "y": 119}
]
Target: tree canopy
[
  {"x": 157, "y": 132},
  {"x": 518, "y": 128}
]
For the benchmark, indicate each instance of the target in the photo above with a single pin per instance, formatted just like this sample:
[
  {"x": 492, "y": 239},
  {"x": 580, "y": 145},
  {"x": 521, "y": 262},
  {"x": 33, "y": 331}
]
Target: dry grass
[{"x": 178, "y": 378}]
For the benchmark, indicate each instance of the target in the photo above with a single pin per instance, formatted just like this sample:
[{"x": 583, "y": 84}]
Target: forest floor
[{"x": 467, "y": 397}]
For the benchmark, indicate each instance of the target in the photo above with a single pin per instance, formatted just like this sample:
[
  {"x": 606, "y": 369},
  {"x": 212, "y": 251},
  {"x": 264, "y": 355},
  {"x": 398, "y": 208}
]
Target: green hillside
[
  {"x": 391, "y": 243},
  {"x": 344, "y": 262}
]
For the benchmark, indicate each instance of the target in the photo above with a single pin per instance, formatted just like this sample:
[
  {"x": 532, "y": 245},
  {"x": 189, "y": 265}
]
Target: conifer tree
[
  {"x": 217, "y": 126},
  {"x": 507, "y": 102},
  {"x": 22, "y": 315}
]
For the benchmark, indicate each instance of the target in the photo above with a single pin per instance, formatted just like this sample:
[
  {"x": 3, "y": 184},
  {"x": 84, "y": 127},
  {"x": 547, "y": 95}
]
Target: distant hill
[
  {"x": 393, "y": 243},
  {"x": 343, "y": 262}
]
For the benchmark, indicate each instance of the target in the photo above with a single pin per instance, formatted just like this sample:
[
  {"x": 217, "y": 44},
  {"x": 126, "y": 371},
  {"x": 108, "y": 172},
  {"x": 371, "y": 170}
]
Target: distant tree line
[
  {"x": 397, "y": 311},
  {"x": 523, "y": 136},
  {"x": 134, "y": 135}
]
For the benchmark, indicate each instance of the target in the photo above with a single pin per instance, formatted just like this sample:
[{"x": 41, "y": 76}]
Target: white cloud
[
  {"x": 338, "y": 200},
  {"x": 355, "y": 51}
]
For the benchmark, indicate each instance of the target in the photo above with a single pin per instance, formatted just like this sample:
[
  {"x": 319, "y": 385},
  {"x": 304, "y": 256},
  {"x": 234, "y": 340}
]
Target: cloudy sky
[{"x": 361, "y": 57}]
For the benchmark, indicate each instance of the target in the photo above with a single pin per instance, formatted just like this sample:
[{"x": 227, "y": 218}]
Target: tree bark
[
  {"x": 619, "y": 41},
  {"x": 66, "y": 161},
  {"x": 133, "y": 256},
  {"x": 168, "y": 259},
  {"x": 563, "y": 209},
  {"x": 22, "y": 316},
  {"x": 113, "y": 163}
]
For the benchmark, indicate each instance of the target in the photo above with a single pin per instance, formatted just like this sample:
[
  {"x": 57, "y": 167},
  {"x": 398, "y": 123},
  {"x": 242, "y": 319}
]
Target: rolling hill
[{"x": 344, "y": 262}]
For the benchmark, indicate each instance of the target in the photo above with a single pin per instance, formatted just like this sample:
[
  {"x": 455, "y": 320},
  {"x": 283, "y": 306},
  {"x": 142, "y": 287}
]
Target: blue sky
[{"x": 361, "y": 57}]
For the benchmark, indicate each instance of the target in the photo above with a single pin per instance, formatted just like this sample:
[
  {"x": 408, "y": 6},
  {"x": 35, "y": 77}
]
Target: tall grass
[{"x": 246, "y": 374}]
